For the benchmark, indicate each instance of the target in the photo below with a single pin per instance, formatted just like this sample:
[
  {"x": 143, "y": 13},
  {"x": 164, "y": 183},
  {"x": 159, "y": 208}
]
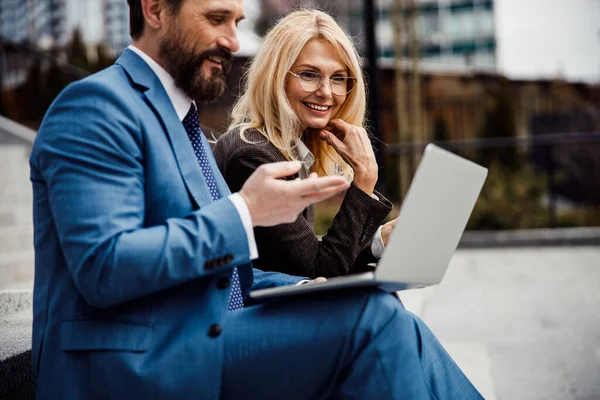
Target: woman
[{"x": 304, "y": 99}]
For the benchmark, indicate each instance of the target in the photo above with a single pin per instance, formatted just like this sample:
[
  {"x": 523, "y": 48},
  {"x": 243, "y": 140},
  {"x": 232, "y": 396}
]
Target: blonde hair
[{"x": 264, "y": 105}]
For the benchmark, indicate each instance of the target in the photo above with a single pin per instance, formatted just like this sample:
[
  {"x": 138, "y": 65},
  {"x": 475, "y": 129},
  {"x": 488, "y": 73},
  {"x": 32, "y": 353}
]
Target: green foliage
[
  {"x": 45, "y": 80},
  {"x": 43, "y": 84},
  {"x": 499, "y": 122},
  {"x": 582, "y": 216},
  {"x": 510, "y": 199},
  {"x": 324, "y": 215},
  {"x": 104, "y": 59},
  {"x": 77, "y": 51}
]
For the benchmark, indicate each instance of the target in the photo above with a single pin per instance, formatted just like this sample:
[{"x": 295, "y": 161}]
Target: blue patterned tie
[{"x": 191, "y": 123}]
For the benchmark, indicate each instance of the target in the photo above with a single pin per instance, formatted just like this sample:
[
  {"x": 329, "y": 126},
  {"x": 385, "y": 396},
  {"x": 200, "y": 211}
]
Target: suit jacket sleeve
[
  {"x": 266, "y": 279},
  {"x": 91, "y": 162},
  {"x": 294, "y": 248}
]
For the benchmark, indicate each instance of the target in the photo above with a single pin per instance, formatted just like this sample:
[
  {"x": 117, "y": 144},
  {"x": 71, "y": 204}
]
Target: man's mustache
[{"x": 219, "y": 52}]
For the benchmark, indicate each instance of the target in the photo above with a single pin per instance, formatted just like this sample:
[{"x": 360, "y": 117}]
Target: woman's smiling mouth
[{"x": 317, "y": 107}]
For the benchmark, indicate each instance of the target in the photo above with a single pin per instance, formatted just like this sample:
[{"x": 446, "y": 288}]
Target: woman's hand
[
  {"x": 386, "y": 231},
  {"x": 352, "y": 143}
]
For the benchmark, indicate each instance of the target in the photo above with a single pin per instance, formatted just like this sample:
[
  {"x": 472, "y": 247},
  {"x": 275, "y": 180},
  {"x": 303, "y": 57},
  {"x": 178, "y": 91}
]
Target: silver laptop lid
[{"x": 432, "y": 218}]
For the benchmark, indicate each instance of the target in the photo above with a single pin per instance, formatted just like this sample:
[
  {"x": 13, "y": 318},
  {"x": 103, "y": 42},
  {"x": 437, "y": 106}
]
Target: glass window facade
[
  {"x": 116, "y": 24},
  {"x": 457, "y": 32},
  {"x": 33, "y": 20}
]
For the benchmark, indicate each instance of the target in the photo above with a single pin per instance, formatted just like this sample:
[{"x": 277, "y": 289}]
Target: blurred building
[
  {"x": 45, "y": 23},
  {"x": 116, "y": 24},
  {"x": 38, "y": 22},
  {"x": 13, "y": 25},
  {"x": 25, "y": 25},
  {"x": 452, "y": 34}
]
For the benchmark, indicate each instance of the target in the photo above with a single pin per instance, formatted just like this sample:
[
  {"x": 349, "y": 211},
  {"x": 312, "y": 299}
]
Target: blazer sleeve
[
  {"x": 267, "y": 279},
  {"x": 294, "y": 248},
  {"x": 89, "y": 157}
]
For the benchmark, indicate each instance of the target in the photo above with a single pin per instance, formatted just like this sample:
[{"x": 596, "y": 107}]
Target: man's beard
[{"x": 186, "y": 68}]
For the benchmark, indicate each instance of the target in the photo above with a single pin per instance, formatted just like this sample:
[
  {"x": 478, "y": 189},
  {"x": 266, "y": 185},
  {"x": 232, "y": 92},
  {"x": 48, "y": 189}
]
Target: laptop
[{"x": 430, "y": 224}]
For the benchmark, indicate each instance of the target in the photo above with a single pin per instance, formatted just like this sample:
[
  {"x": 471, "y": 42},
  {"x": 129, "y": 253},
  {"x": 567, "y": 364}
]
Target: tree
[
  {"x": 499, "y": 122},
  {"x": 510, "y": 199},
  {"x": 104, "y": 59},
  {"x": 77, "y": 51},
  {"x": 440, "y": 129}
]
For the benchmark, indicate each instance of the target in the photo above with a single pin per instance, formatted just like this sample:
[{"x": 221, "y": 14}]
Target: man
[{"x": 142, "y": 254}]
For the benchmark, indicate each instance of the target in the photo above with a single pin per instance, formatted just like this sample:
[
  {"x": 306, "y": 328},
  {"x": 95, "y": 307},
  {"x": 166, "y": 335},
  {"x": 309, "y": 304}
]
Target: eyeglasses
[{"x": 311, "y": 81}]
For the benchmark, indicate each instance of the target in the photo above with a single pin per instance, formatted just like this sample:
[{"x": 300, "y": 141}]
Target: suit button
[
  {"x": 223, "y": 283},
  {"x": 214, "y": 330},
  {"x": 228, "y": 258},
  {"x": 210, "y": 264}
]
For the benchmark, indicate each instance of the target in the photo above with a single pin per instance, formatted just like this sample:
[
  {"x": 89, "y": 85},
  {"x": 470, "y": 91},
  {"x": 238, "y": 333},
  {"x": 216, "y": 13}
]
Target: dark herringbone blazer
[{"x": 294, "y": 248}]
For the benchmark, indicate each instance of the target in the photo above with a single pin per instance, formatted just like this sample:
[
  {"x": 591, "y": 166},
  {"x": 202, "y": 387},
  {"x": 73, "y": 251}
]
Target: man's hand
[
  {"x": 272, "y": 201},
  {"x": 386, "y": 231},
  {"x": 316, "y": 280}
]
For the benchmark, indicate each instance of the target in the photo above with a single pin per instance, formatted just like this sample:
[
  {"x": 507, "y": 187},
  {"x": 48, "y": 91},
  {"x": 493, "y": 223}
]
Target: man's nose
[{"x": 229, "y": 40}]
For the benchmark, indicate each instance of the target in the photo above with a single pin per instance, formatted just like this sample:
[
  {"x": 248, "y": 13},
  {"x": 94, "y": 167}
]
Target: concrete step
[
  {"x": 14, "y": 165},
  {"x": 15, "y": 301},
  {"x": 23, "y": 186},
  {"x": 15, "y": 338},
  {"x": 414, "y": 300},
  {"x": 474, "y": 360},
  {"x": 16, "y": 267},
  {"x": 20, "y": 194},
  {"x": 14, "y": 153},
  {"x": 15, "y": 215},
  {"x": 11, "y": 174},
  {"x": 16, "y": 239},
  {"x": 26, "y": 284}
]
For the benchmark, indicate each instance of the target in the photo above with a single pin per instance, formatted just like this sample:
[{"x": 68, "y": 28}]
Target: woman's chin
[{"x": 317, "y": 124}]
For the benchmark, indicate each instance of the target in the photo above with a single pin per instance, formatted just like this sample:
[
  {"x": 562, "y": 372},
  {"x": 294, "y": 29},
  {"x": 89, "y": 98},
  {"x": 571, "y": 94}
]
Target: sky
[{"x": 549, "y": 39}]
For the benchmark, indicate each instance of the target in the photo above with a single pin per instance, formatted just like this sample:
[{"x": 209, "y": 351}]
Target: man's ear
[{"x": 153, "y": 11}]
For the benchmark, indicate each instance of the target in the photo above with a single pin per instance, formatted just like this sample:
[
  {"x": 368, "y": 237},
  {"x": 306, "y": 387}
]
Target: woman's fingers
[
  {"x": 340, "y": 147},
  {"x": 341, "y": 125}
]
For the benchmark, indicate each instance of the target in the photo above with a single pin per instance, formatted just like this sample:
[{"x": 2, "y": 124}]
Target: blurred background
[{"x": 513, "y": 85}]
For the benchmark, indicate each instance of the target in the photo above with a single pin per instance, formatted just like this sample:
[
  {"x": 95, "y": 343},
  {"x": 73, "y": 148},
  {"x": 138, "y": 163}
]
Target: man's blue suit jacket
[{"x": 132, "y": 255}]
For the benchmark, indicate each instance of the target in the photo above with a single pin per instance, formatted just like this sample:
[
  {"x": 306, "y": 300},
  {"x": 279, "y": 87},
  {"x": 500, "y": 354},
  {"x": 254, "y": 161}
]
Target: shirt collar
[
  {"x": 304, "y": 155},
  {"x": 181, "y": 101}
]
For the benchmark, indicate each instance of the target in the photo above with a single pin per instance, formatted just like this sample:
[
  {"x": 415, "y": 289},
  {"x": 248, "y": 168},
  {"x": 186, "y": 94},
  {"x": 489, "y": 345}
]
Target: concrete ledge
[
  {"x": 15, "y": 301},
  {"x": 16, "y": 380},
  {"x": 13, "y": 132},
  {"x": 531, "y": 237},
  {"x": 414, "y": 300}
]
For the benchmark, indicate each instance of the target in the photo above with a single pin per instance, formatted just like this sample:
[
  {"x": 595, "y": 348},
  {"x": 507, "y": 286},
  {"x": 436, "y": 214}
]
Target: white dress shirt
[
  {"x": 182, "y": 103},
  {"x": 308, "y": 159}
]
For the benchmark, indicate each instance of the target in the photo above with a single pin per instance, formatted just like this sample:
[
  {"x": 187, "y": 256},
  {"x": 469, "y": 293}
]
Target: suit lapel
[{"x": 143, "y": 76}]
